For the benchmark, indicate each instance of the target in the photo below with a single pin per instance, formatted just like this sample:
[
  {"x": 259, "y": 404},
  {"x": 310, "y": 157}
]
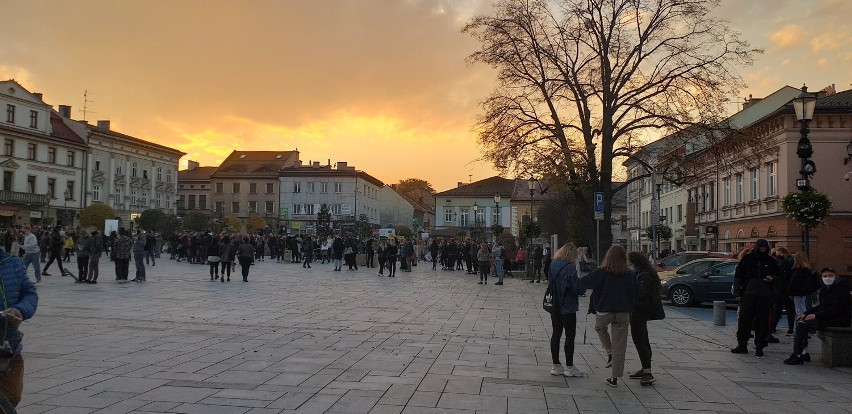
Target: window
[
  {"x": 145, "y": 174},
  {"x": 133, "y": 170},
  {"x": 270, "y": 188},
  {"x": 338, "y": 188},
  {"x": 311, "y": 187},
  {"x": 119, "y": 198},
  {"x": 270, "y": 207},
  {"x": 97, "y": 162},
  {"x": 235, "y": 207},
  {"x": 679, "y": 213},
  {"x": 118, "y": 168},
  {"x": 33, "y": 119},
  {"x": 726, "y": 191},
  {"x": 220, "y": 188},
  {"x": 10, "y": 113},
  {"x": 8, "y": 179},
  {"x": 236, "y": 188},
  {"x": 323, "y": 188},
  {"x": 168, "y": 201},
  {"x": 168, "y": 179},
  {"x": 297, "y": 209},
  {"x": 480, "y": 217},
  {"x": 334, "y": 209},
  {"x": 755, "y": 193},
  {"x": 711, "y": 196},
  {"x": 31, "y": 184},
  {"x": 739, "y": 178},
  {"x": 297, "y": 187},
  {"x": 70, "y": 158},
  {"x": 448, "y": 216},
  {"x": 252, "y": 207},
  {"x": 134, "y": 197},
  {"x": 51, "y": 187},
  {"x": 771, "y": 186},
  {"x": 96, "y": 193},
  {"x": 220, "y": 206},
  {"x": 252, "y": 188},
  {"x": 51, "y": 155},
  {"x": 463, "y": 217},
  {"x": 159, "y": 173},
  {"x": 190, "y": 202},
  {"x": 159, "y": 199},
  {"x": 69, "y": 190},
  {"x": 31, "y": 151},
  {"x": 309, "y": 209},
  {"x": 202, "y": 202},
  {"x": 9, "y": 147}
]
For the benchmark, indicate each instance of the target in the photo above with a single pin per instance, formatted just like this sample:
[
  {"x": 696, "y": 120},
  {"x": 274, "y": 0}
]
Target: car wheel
[{"x": 681, "y": 296}]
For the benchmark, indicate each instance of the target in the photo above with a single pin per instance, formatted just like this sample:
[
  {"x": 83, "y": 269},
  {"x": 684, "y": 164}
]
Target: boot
[{"x": 740, "y": 349}]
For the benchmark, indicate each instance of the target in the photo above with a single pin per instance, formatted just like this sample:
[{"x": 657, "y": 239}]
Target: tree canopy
[
  {"x": 152, "y": 220},
  {"x": 196, "y": 221},
  {"x": 581, "y": 83},
  {"x": 410, "y": 186},
  {"x": 95, "y": 215}
]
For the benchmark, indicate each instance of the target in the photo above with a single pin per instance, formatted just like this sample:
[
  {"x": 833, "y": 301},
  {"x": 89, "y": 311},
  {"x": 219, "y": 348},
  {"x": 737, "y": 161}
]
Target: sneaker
[
  {"x": 612, "y": 382},
  {"x": 609, "y": 360},
  {"x": 758, "y": 352},
  {"x": 647, "y": 380},
  {"x": 794, "y": 360},
  {"x": 806, "y": 357},
  {"x": 499, "y": 283},
  {"x": 773, "y": 340},
  {"x": 637, "y": 375},
  {"x": 790, "y": 332},
  {"x": 573, "y": 371},
  {"x": 480, "y": 282},
  {"x": 740, "y": 349},
  {"x": 556, "y": 369},
  {"x": 532, "y": 281}
]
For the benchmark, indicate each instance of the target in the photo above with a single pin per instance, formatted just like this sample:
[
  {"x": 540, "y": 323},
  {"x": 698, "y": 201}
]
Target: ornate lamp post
[
  {"x": 531, "y": 186},
  {"x": 804, "y": 104},
  {"x": 475, "y": 221}
]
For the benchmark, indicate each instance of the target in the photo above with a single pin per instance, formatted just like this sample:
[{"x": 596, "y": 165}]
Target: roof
[
  {"x": 109, "y": 132},
  {"x": 62, "y": 131},
  {"x": 327, "y": 171},
  {"x": 418, "y": 206},
  {"x": 483, "y": 188},
  {"x": 834, "y": 103},
  {"x": 254, "y": 163},
  {"x": 197, "y": 173},
  {"x": 521, "y": 192}
]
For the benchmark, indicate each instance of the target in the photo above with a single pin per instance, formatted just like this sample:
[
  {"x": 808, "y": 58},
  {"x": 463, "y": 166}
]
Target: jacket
[
  {"x": 31, "y": 244},
  {"x": 337, "y": 248},
  {"x": 226, "y": 252},
  {"x": 782, "y": 282},
  {"x": 122, "y": 247},
  {"x": 82, "y": 246},
  {"x": 749, "y": 278},
  {"x": 139, "y": 244},
  {"x": 20, "y": 293},
  {"x": 245, "y": 250},
  {"x": 835, "y": 306},
  {"x": 649, "y": 305},
  {"x": 803, "y": 282},
  {"x": 611, "y": 293},
  {"x": 567, "y": 285}
]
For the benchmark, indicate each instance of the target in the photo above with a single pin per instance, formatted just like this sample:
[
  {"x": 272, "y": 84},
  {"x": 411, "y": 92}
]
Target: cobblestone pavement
[{"x": 317, "y": 341}]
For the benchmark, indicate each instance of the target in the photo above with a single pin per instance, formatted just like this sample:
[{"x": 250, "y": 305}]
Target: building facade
[
  {"x": 475, "y": 205},
  {"x": 350, "y": 195},
  {"x": 400, "y": 209},
  {"x": 246, "y": 184},
  {"x": 194, "y": 189},
  {"x": 42, "y": 162}
]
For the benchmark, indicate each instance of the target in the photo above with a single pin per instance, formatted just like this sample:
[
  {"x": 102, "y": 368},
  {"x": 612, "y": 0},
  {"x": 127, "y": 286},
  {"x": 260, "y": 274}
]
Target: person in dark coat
[
  {"x": 648, "y": 307},
  {"x": 308, "y": 252},
  {"x": 55, "y": 247},
  {"x": 753, "y": 280},
  {"x": 227, "y": 251},
  {"x": 337, "y": 248},
  {"x": 393, "y": 251},
  {"x": 433, "y": 251},
  {"x": 538, "y": 255},
  {"x": 781, "y": 300},
  {"x": 834, "y": 310},
  {"x": 803, "y": 283},
  {"x": 382, "y": 252},
  {"x": 214, "y": 252},
  {"x": 245, "y": 255}
]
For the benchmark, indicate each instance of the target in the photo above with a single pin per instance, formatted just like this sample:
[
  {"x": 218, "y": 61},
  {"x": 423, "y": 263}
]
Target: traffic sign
[{"x": 599, "y": 205}]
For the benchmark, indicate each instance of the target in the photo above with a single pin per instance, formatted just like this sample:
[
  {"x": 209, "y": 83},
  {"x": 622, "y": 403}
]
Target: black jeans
[
  {"x": 82, "y": 267},
  {"x": 391, "y": 266},
  {"x": 122, "y": 268},
  {"x": 225, "y": 267},
  {"x": 483, "y": 274},
  {"x": 800, "y": 340},
  {"x": 382, "y": 261},
  {"x": 754, "y": 314},
  {"x": 214, "y": 269},
  {"x": 563, "y": 322},
  {"x": 57, "y": 256},
  {"x": 370, "y": 260},
  {"x": 245, "y": 263},
  {"x": 639, "y": 332},
  {"x": 784, "y": 303}
]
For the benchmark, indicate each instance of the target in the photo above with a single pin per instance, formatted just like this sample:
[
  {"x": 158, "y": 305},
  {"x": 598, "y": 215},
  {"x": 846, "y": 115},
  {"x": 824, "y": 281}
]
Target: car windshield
[
  {"x": 695, "y": 266},
  {"x": 724, "y": 269}
]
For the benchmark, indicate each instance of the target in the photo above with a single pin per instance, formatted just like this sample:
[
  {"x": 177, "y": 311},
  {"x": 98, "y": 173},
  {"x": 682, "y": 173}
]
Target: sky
[{"x": 380, "y": 84}]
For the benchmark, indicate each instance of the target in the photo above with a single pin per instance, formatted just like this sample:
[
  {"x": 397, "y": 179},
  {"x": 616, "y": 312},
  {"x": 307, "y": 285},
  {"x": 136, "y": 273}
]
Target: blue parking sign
[{"x": 599, "y": 205}]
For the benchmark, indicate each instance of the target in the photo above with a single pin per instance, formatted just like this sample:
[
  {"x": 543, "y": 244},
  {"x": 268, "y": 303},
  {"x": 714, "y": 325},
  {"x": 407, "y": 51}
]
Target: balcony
[{"x": 24, "y": 198}]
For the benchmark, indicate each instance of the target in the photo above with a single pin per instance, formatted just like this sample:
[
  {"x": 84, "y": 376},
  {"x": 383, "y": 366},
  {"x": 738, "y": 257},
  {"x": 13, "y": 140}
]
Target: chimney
[
  {"x": 460, "y": 184},
  {"x": 315, "y": 164},
  {"x": 38, "y": 95},
  {"x": 191, "y": 165},
  {"x": 329, "y": 162},
  {"x": 65, "y": 111},
  {"x": 341, "y": 165},
  {"x": 103, "y": 124}
]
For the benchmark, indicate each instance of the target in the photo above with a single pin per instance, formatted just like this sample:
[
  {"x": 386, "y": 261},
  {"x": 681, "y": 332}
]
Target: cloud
[
  {"x": 19, "y": 74},
  {"x": 789, "y": 37}
]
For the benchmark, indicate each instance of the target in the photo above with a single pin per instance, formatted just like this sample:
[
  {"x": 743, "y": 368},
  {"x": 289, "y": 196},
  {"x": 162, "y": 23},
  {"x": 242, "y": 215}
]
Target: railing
[{"x": 24, "y": 198}]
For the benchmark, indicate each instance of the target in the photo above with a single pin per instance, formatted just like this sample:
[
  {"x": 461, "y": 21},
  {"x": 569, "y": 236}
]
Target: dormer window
[{"x": 243, "y": 156}]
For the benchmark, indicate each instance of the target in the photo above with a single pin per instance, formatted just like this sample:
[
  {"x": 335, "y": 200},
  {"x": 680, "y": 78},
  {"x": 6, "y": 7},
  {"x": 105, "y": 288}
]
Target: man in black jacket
[
  {"x": 834, "y": 310},
  {"x": 753, "y": 282}
]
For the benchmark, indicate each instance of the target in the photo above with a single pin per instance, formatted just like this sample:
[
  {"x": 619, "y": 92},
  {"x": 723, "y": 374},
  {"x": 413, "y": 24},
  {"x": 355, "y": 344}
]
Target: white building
[
  {"x": 455, "y": 211},
  {"x": 350, "y": 194},
  {"x": 41, "y": 164}
]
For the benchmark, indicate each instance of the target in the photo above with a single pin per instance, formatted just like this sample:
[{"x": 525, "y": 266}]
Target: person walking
[
  {"x": 499, "y": 255},
  {"x": 382, "y": 253},
  {"x": 307, "y": 252},
  {"x": 214, "y": 252},
  {"x": 393, "y": 251},
  {"x": 482, "y": 256},
  {"x": 122, "y": 247},
  {"x": 226, "y": 255},
  {"x": 82, "y": 256},
  {"x": 245, "y": 254},
  {"x": 648, "y": 307},
  {"x": 55, "y": 252},
  {"x": 614, "y": 288},
  {"x": 139, "y": 254},
  {"x": 567, "y": 289},
  {"x": 433, "y": 251},
  {"x": 753, "y": 279},
  {"x": 151, "y": 248},
  {"x": 32, "y": 253},
  {"x": 538, "y": 255},
  {"x": 95, "y": 249}
]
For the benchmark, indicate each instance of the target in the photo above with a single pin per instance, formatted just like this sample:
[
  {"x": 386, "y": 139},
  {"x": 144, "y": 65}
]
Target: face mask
[{"x": 828, "y": 280}]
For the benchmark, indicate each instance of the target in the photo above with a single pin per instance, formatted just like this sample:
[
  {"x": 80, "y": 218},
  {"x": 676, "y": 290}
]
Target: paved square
[{"x": 295, "y": 340}]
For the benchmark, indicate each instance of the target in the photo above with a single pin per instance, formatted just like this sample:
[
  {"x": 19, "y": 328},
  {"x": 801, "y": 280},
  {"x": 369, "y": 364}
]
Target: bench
[{"x": 836, "y": 347}]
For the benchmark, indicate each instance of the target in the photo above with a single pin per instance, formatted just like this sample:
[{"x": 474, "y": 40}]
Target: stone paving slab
[{"x": 317, "y": 341}]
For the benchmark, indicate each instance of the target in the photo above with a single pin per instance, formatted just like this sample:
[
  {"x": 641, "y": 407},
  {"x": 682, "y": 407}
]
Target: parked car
[
  {"x": 679, "y": 259},
  {"x": 706, "y": 286},
  {"x": 695, "y": 266}
]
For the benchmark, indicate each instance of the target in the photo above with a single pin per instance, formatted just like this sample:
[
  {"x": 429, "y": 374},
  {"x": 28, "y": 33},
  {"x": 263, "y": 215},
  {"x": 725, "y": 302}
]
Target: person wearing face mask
[
  {"x": 834, "y": 311},
  {"x": 753, "y": 281}
]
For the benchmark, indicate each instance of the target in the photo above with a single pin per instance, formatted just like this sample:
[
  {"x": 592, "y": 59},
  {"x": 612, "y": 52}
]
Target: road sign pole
[{"x": 599, "y": 215}]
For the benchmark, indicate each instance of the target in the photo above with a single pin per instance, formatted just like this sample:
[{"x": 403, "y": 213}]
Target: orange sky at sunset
[{"x": 381, "y": 84}]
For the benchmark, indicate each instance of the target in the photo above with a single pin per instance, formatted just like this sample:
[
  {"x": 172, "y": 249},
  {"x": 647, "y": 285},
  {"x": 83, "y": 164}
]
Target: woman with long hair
[
  {"x": 382, "y": 252},
  {"x": 483, "y": 256},
  {"x": 567, "y": 288},
  {"x": 614, "y": 288},
  {"x": 803, "y": 283},
  {"x": 648, "y": 307}
]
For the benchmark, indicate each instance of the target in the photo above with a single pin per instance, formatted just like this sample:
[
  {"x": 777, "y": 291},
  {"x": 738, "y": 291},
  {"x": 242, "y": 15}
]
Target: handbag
[
  {"x": 550, "y": 304},
  {"x": 588, "y": 265}
]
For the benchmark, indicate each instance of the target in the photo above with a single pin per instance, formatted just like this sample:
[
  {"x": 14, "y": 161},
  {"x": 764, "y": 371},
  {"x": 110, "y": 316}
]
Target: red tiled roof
[
  {"x": 256, "y": 163},
  {"x": 197, "y": 173},
  {"x": 64, "y": 132}
]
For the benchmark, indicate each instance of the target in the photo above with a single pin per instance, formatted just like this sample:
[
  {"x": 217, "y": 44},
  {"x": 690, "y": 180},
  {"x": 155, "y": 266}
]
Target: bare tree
[{"x": 582, "y": 83}]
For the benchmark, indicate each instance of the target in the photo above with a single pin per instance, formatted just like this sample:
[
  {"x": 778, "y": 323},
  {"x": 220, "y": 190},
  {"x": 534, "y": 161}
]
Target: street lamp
[
  {"x": 475, "y": 217},
  {"x": 531, "y": 185},
  {"x": 804, "y": 104}
]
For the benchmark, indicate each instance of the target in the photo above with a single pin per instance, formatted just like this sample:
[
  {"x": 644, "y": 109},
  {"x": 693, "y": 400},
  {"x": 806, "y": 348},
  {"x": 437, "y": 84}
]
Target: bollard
[{"x": 719, "y": 317}]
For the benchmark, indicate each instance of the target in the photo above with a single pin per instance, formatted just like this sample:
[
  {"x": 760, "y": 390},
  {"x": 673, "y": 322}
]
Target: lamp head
[
  {"x": 804, "y": 105},
  {"x": 497, "y": 198},
  {"x": 531, "y": 183}
]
